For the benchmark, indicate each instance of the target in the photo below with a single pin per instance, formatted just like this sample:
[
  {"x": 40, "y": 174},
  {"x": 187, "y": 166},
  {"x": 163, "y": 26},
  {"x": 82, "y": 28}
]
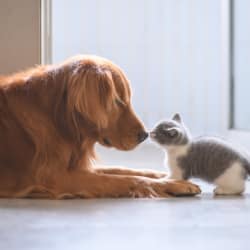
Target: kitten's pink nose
[{"x": 152, "y": 134}]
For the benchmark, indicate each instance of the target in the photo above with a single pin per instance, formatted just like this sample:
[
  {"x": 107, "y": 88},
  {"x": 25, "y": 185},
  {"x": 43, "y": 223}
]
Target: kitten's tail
[{"x": 247, "y": 167}]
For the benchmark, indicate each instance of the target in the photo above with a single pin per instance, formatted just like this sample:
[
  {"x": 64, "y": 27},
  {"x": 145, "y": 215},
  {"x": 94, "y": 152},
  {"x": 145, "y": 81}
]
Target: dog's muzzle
[{"x": 142, "y": 136}]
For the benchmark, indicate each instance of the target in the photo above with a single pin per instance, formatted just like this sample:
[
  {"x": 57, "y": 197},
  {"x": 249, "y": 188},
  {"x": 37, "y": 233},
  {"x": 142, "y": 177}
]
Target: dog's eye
[{"x": 119, "y": 102}]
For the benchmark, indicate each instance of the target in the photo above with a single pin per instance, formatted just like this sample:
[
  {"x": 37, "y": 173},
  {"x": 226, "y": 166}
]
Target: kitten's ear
[
  {"x": 172, "y": 132},
  {"x": 177, "y": 117}
]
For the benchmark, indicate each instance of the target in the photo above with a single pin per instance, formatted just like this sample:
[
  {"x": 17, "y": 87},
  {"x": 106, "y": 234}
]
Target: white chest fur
[{"x": 172, "y": 154}]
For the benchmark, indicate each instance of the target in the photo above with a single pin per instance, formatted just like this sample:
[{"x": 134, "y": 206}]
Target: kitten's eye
[
  {"x": 120, "y": 103},
  {"x": 171, "y": 132}
]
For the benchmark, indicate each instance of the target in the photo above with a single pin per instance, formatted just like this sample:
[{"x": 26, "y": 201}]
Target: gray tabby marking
[{"x": 209, "y": 158}]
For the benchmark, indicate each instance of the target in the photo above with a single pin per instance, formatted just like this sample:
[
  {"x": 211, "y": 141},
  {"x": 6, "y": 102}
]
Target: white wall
[{"x": 170, "y": 50}]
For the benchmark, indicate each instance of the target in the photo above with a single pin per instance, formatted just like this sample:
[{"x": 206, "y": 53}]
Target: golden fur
[{"x": 50, "y": 119}]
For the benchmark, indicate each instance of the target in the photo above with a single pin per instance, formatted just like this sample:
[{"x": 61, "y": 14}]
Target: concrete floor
[{"x": 202, "y": 222}]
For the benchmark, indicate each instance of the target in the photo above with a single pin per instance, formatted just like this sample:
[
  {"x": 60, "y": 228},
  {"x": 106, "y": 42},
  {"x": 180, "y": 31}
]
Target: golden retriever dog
[{"x": 50, "y": 119}]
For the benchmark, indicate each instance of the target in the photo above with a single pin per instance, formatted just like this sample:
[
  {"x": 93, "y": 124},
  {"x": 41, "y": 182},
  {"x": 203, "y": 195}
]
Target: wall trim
[{"x": 46, "y": 31}]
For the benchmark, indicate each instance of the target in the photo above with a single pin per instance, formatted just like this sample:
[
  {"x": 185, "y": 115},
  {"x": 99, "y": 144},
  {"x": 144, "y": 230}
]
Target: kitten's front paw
[
  {"x": 181, "y": 188},
  {"x": 218, "y": 191}
]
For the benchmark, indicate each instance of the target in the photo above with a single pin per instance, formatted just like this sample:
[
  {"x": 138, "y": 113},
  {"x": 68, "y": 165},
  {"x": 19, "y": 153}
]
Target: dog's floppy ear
[{"x": 92, "y": 93}]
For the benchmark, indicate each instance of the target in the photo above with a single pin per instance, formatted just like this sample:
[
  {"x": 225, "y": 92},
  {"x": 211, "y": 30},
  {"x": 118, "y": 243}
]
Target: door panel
[{"x": 19, "y": 34}]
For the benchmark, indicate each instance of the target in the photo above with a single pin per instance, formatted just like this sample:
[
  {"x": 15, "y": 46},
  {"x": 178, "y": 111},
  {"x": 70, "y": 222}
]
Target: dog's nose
[{"x": 142, "y": 136}]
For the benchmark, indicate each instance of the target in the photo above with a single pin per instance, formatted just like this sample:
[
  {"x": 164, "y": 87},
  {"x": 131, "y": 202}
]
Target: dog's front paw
[
  {"x": 155, "y": 174},
  {"x": 182, "y": 188}
]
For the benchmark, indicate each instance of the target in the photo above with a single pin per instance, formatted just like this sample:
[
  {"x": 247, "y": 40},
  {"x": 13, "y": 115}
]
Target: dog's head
[{"x": 99, "y": 91}]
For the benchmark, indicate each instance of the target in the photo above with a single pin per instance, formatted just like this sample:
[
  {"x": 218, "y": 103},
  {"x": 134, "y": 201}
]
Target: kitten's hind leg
[
  {"x": 228, "y": 191},
  {"x": 232, "y": 181}
]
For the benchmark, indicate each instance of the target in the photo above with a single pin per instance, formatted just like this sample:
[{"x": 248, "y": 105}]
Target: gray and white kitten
[{"x": 209, "y": 158}]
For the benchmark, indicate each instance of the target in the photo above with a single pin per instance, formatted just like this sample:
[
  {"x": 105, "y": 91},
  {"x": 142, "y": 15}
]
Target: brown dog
[{"x": 50, "y": 119}]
